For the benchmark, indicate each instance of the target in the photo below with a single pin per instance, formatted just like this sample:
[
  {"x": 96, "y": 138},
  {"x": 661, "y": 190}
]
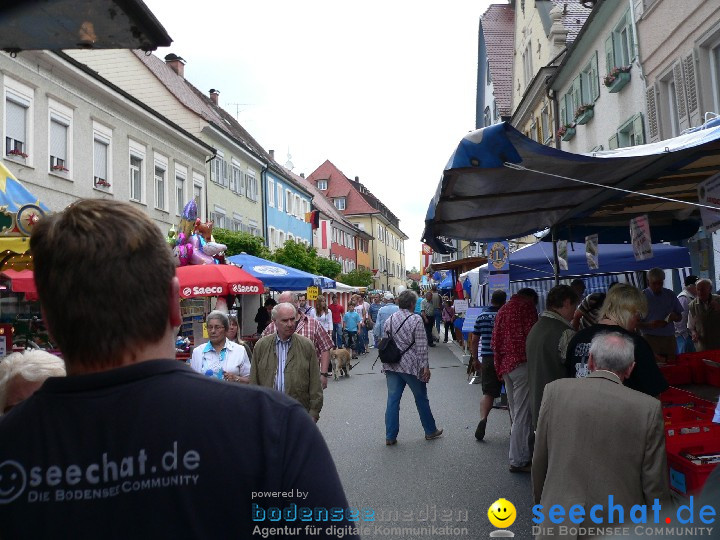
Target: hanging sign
[
  {"x": 562, "y": 254},
  {"x": 312, "y": 293},
  {"x": 591, "y": 252},
  {"x": 499, "y": 256},
  {"x": 640, "y": 236},
  {"x": 709, "y": 193},
  {"x": 498, "y": 282}
]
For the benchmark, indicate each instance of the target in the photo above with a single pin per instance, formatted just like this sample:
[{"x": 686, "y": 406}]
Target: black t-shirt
[
  {"x": 646, "y": 377},
  {"x": 155, "y": 450}
]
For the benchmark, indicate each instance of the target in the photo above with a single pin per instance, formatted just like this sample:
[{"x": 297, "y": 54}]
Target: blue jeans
[
  {"x": 438, "y": 319},
  {"x": 337, "y": 336},
  {"x": 685, "y": 344},
  {"x": 364, "y": 338},
  {"x": 396, "y": 385}
]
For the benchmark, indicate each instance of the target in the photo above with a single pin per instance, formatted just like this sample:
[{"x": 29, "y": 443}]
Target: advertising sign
[
  {"x": 640, "y": 236},
  {"x": 499, "y": 256},
  {"x": 709, "y": 193}
]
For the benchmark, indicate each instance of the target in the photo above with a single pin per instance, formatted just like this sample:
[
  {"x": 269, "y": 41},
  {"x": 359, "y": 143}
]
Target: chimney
[
  {"x": 302, "y": 175},
  {"x": 357, "y": 178},
  {"x": 214, "y": 94},
  {"x": 176, "y": 63},
  {"x": 272, "y": 154}
]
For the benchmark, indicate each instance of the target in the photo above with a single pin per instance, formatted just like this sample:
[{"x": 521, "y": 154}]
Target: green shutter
[
  {"x": 609, "y": 54},
  {"x": 631, "y": 35},
  {"x": 577, "y": 95},
  {"x": 639, "y": 129},
  {"x": 593, "y": 76},
  {"x": 613, "y": 142}
]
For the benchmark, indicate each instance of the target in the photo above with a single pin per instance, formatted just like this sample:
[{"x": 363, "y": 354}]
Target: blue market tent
[
  {"x": 499, "y": 184},
  {"x": 279, "y": 277}
]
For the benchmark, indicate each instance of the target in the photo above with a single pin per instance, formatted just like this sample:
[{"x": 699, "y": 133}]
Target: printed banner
[
  {"x": 461, "y": 306},
  {"x": 499, "y": 282},
  {"x": 640, "y": 236},
  {"x": 591, "y": 252},
  {"x": 499, "y": 256},
  {"x": 562, "y": 254},
  {"x": 709, "y": 193}
]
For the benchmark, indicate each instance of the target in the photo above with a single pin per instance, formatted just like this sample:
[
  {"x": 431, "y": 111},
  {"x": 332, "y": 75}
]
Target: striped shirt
[
  {"x": 281, "y": 348},
  {"x": 311, "y": 329},
  {"x": 483, "y": 328}
]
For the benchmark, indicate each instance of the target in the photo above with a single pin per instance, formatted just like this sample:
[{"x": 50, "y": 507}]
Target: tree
[
  {"x": 357, "y": 278},
  {"x": 239, "y": 242},
  {"x": 415, "y": 287},
  {"x": 328, "y": 268},
  {"x": 297, "y": 256}
]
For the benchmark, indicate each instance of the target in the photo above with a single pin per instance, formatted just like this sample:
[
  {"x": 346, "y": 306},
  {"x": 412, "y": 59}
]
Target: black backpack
[{"x": 388, "y": 351}]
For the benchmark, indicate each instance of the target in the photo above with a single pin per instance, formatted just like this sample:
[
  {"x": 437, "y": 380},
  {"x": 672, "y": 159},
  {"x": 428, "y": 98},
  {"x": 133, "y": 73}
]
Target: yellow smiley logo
[{"x": 502, "y": 513}]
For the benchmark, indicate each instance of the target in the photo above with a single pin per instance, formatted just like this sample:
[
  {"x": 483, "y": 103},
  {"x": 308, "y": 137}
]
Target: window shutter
[
  {"x": 613, "y": 142},
  {"x": 694, "y": 116},
  {"x": 653, "y": 131},
  {"x": 577, "y": 97},
  {"x": 609, "y": 54},
  {"x": 594, "y": 81},
  {"x": 58, "y": 140},
  {"x": 15, "y": 121},
  {"x": 563, "y": 113},
  {"x": 680, "y": 97},
  {"x": 639, "y": 129}
]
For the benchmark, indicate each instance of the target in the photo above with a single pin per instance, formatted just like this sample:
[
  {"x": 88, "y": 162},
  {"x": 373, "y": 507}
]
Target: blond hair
[{"x": 622, "y": 302}]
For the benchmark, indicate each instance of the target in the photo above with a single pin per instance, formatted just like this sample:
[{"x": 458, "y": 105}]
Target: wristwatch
[{"x": 324, "y": 374}]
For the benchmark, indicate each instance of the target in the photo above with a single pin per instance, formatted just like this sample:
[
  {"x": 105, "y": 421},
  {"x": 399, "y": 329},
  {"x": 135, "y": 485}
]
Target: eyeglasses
[{"x": 215, "y": 327}]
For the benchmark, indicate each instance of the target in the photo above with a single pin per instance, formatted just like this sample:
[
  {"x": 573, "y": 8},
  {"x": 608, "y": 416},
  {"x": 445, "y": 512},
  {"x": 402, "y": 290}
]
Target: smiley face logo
[
  {"x": 12, "y": 481},
  {"x": 502, "y": 513}
]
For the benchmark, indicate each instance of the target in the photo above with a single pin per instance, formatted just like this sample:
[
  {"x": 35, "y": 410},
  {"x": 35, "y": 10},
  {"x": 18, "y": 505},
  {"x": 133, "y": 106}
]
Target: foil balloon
[
  {"x": 190, "y": 211},
  {"x": 172, "y": 237},
  {"x": 213, "y": 248},
  {"x": 198, "y": 256}
]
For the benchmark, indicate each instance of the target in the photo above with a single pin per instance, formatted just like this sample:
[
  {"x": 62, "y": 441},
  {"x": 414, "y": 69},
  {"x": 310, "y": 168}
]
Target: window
[
  {"x": 533, "y": 130},
  {"x": 620, "y": 44},
  {"x": 488, "y": 79},
  {"x": 218, "y": 217},
  {"x": 545, "y": 123},
  {"x": 631, "y": 133},
  {"x": 288, "y": 201},
  {"x": 271, "y": 238},
  {"x": 198, "y": 183},
  {"x": 279, "y": 196},
  {"x": 102, "y": 156},
  {"x": 527, "y": 64},
  {"x": 137, "y": 171},
  {"x": 339, "y": 203},
  {"x": 161, "y": 167},
  {"x": 322, "y": 185},
  {"x": 487, "y": 119},
  {"x": 253, "y": 228},
  {"x": 271, "y": 192},
  {"x": 589, "y": 82},
  {"x": 218, "y": 168},
  {"x": 60, "y": 137},
  {"x": 251, "y": 189},
  {"x": 180, "y": 178},
  {"x": 236, "y": 178},
  {"x": 297, "y": 206},
  {"x": 496, "y": 112},
  {"x": 18, "y": 120}
]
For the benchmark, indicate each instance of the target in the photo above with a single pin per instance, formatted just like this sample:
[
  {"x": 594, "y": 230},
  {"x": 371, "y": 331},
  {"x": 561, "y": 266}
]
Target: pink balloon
[{"x": 198, "y": 257}]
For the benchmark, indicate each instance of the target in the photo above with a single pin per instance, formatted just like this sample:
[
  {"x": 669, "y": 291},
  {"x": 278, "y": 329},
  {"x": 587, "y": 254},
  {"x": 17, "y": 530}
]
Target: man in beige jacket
[
  {"x": 287, "y": 362},
  {"x": 596, "y": 438}
]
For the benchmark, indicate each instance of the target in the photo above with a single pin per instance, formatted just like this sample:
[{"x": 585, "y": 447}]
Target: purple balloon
[{"x": 190, "y": 210}]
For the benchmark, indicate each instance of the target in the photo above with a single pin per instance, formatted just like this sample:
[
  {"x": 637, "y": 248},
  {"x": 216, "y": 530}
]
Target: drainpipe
[
  {"x": 636, "y": 43},
  {"x": 206, "y": 186},
  {"x": 552, "y": 96},
  {"x": 263, "y": 177}
]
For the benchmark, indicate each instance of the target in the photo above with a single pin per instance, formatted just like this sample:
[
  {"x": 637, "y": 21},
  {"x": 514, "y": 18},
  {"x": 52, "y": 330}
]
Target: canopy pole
[{"x": 556, "y": 260}]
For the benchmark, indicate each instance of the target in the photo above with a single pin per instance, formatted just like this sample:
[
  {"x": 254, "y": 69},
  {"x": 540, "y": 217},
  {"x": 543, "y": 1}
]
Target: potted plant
[
  {"x": 17, "y": 153},
  {"x": 617, "y": 78},
  {"x": 584, "y": 113},
  {"x": 567, "y": 131},
  {"x": 59, "y": 168},
  {"x": 100, "y": 182}
]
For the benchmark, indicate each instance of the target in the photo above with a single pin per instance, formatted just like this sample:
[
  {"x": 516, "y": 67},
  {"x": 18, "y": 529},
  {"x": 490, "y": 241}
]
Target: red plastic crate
[
  {"x": 677, "y": 397},
  {"x": 683, "y": 420},
  {"x": 697, "y": 366},
  {"x": 677, "y": 373},
  {"x": 686, "y": 477},
  {"x": 712, "y": 374}
]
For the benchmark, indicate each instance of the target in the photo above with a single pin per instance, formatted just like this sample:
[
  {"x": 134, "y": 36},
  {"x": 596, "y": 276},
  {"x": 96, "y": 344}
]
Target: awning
[
  {"x": 499, "y": 184},
  {"x": 279, "y": 277},
  {"x": 22, "y": 281},
  {"x": 197, "y": 280}
]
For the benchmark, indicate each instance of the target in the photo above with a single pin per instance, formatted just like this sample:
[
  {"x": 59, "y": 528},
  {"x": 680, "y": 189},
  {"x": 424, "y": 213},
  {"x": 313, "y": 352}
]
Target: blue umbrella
[{"x": 279, "y": 277}]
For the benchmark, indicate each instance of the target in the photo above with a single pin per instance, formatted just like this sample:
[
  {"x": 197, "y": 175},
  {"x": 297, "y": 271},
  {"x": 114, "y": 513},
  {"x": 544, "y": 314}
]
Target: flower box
[
  {"x": 569, "y": 134},
  {"x": 17, "y": 153},
  {"x": 618, "y": 83},
  {"x": 584, "y": 117}
]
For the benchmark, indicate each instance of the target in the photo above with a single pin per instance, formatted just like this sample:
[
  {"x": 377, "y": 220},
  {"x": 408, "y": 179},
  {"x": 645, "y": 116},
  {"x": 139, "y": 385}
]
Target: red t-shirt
[{"x": 337, "y": 312}]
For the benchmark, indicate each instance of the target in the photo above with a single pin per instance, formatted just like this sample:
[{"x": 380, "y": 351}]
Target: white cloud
[{"x": 384, "y": 90}]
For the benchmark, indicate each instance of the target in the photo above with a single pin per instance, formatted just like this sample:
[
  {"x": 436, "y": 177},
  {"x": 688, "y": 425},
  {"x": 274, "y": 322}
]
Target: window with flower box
[
  {"x": 60, "y": 137},
  {"x": 620, "y": 44},
  {"x": 18, "y": 120},
  {"x": 102, "y": 156}
]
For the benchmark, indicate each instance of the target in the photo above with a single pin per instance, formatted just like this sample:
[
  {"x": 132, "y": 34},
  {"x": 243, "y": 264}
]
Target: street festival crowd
[{"x": 132, "y": 443}]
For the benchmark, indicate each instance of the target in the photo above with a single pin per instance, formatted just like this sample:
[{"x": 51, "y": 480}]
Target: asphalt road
[{"x": 448, "y": 483}]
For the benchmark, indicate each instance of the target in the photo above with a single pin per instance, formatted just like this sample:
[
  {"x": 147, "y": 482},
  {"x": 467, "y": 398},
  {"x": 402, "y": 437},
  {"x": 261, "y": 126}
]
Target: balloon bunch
[{"x": 194, "y": 243}]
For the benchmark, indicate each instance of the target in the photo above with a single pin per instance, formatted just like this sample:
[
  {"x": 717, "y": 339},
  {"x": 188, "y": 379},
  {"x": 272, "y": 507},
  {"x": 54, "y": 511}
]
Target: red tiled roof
[
  {"x": 339, "y": 185},
  {"x": 498, "y": 25}
]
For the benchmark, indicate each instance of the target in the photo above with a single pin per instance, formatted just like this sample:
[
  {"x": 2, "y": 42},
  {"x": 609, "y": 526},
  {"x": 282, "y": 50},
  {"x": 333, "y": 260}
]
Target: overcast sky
[{"x": 383, "y": 89}]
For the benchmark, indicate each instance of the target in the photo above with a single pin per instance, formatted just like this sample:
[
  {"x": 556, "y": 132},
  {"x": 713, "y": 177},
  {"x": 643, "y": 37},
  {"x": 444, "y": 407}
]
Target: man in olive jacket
[{"x": 298, "y": 375}]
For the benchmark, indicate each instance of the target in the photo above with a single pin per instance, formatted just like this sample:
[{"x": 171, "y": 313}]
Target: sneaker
[
  {"x": 437, "y": 433},
  {"x": 524, "y": 468},
  {"x": 390, "y": 442},
  {"x": 480, "y": 431}
]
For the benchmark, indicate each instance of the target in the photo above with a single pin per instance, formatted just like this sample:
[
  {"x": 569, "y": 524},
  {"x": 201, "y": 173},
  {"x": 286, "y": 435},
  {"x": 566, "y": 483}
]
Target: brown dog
[{"x": 340, "y": 359}]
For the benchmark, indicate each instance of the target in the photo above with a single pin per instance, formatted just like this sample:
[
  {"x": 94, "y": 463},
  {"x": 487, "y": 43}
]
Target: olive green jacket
[{"x": 302, "y": 370}]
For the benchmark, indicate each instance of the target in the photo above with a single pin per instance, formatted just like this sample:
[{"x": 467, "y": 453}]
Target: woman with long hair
[
  {"x": 323, "y": 314},
  {"x": 233, "y": 335}
]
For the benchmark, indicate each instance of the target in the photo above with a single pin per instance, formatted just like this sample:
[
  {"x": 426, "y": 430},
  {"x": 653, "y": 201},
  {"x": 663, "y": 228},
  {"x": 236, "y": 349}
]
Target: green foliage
[
  {"x": 415, "y": 287},
  {"x": 238, "y": 242},
  {"x": 328, "y": 268},
  {"x": 357, "y": 278},
  {"x": 298, "y": 256}
]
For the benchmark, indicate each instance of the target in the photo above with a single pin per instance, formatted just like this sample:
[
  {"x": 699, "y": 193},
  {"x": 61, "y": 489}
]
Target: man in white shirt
[{"x": 220, "y": 357}]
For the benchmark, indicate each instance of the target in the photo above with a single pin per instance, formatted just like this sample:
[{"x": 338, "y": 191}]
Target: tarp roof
[
  {"x": 277, "y": 276},
  {"x": 535, "y": 261},
  {"x": 480, "y": 198}
]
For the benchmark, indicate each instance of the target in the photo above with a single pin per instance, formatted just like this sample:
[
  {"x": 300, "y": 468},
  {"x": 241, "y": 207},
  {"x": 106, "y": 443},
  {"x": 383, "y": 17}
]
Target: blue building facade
[{"x": 286, "y": 204}]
